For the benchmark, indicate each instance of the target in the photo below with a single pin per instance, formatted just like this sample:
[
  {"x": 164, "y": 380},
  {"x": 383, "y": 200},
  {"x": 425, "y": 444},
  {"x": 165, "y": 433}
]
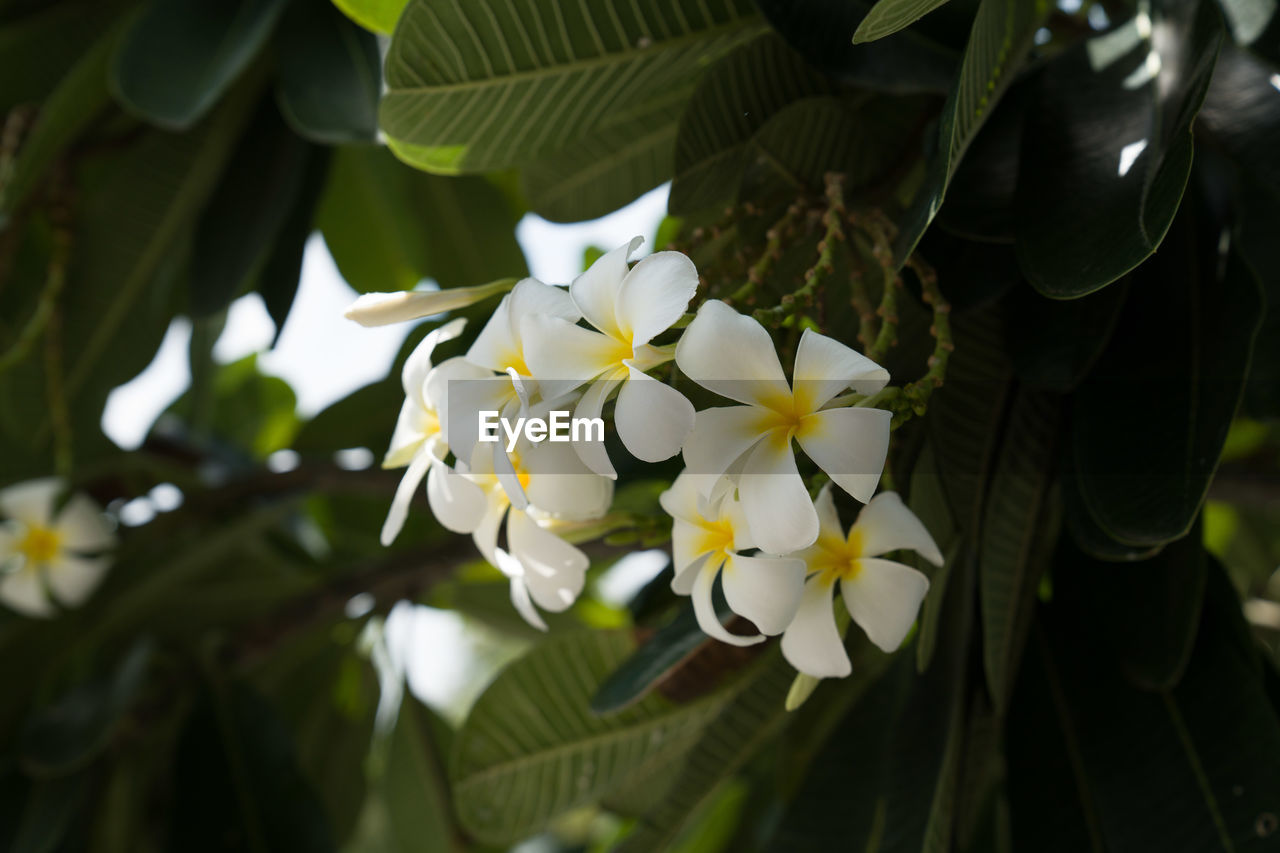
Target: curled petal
[
  {"x": 73, "y": 579},
  {"x": 765, "y": 590},
  {"x": 828, "y": 519},
  {"x": 380, "y": 309},
  {"x": 554, "y": 570},
  {"x": 466, "y": 399},
  {"x": 825, "y": 367},
  {"x": 560, "y": 483},
  {"x": 486, "y": 534},
  {"x": 884, "y": 598},
  {"x": 779, "y": 512},
  {"x": 457, "y": 503},
  {"x": 732, "y": 354},
  {"x": 418, "y": 365},
  {"x": 885, "y": 524},
  {"x": 654, "y": 295},
  {"x": 595, "y": 292},
  {"x": 592, "y": 452},
  {"x": 653, "y": 419},
  {"x": 404, "y": 497},
  {"x": 505, "y": 471},
  {"x": 849, "y": 445},
  {"x": 705, "y": 610},
  {"x": 520, "y": 599},
  {"x": 812, "y": 643}
]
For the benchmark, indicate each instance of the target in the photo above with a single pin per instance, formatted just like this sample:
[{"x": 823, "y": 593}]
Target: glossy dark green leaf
[
  {"x": 248, "y": 208},
  {"x": 1002, "y": 34},
  {"x": 39, "y": 47},
  {"x": 329, "y": 75},
  {"x": 389, "y": 226},
  {"x": 732, "y": 101},
  {"x": 76, "y": 727},
  {"x": 971, "y": 274},
  {"x": 889, "y": 16},
  {"x": 1107, "y": 147},
  {"x": 1241, "y": 116},
  {"x": 1020, "y": 526},
  {"x": 821, "y": 31},
  {"x": 180, "y": 56},
  {"x": 1054, "y": 343},
  {"x": 1088, "y": 536},
  {"x": 1256, "y": 227},
  {"x": 655, "y": 658},
  {"x": 236, "y": 782},
  {"x": 1150, "y": 419},
  {"x": 281, "y": 272}
]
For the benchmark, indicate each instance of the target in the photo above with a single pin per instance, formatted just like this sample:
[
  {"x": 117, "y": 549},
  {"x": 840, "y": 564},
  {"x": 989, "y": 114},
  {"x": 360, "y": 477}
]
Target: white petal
[
  {"x": 82, "y": 526},
  {"x": 593, "y": 453},
  {"x": 521, "y": 601},
  {"x": 31, "y": 501},
  {"x": 561, "y": 484},
  {"x": 416, "y": 367},
  {"x": 595, "y": 292},
  {"x": 885, "y": 524},
  {"x": 811, "y": 643},
  {"x": 825, "y": 367},
  {"x": 732, "y": 354},
  {"x": 496, "y": 347},
  {"x": 466, "y": 399},
  {"x": 504, "y": 470},
  {"x": 531, "y": 297},
  {"x": 684, "y": 577},
  {"x": 705, "y": 610},
  {"x": 849, "y": 445},
  {"x": 884, "y": 598},
  {"x": 682, "y": 499},
  {"x": 554, "y": 570},
  {"x": 457, "y": 503},
  {"x": 23, "y": 590},
  {"x": 687, "y": 548},
  {"x": 73, "y": 579},
  {"x": 774, "y": 499},
  {"x": 561, "y": 356},
  {"x": 379, "y": 309},
  {"x": 719, "y": 437},
  {"x": 654, "y": 295},
  {"x": 404, "y": 497},
  {"x": 486, "y": 535},
  {"x": 653, "y": 419},
  {"x": 436, "y": 389},
  {"x": 828, "y": 518},
  {"x": 765, "y": 590},
  {"x": 407, "y": 438}
]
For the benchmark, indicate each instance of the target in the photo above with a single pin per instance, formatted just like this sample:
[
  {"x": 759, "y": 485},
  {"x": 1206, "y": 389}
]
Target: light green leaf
[
  {"x": 889, "y": 16},
  {"x": 531, "y": 748},
  {"x": 1002, "y": 33},
  {"x": 377, "y": 16},
  {"x": 496, "y": 84}
]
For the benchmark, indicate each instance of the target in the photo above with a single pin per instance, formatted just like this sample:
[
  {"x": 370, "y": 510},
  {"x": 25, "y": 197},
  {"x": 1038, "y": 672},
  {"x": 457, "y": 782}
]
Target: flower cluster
[{"x": 741, "y": 510}]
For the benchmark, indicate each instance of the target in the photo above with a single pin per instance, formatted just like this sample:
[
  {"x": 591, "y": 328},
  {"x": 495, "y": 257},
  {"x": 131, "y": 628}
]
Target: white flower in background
[
  {"x": 419, "y": 440},
  {"x": 500, "y": 347},
  {"x": 707, "y": 538},
  {"x": 50, "y": 556},
  {"x": 381, "y": 309},
  {"x": 733, "y": 355},
  {"x": 543, "y": 568},
  {"x": 882, "y": 596},
  {"x": 629, "y": 307}
]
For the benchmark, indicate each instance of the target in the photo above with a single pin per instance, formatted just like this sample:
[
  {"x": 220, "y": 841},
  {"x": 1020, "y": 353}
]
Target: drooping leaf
[
  {"x": 889, "y": 16},
  {"x": 1150, "y": 420},
  {"x": 388, "y": 226},
  {"x": 1002, "y": 34},
  {"x": 738, "y": 95},
  {"x": 531, "y": 749},
  {"x": 494, "y": 85},
  {"x": 601, "y": 172},
  {"x": 413, "y": 786},
  {"x": 1020, "y": 526},
  {"x": 39, "y": 47},
  {"x": 1108, "y": 148},
  {"x": 1054, "y": 343},
  {"x": 329, "y": 76},
  {"x": 655, "y": 657},
  {"x": 378, "y": 16},
  {"x": 971, "y": 273},
  {"x": 278, "y": 281},
  {"x": 180, "y": 56}
]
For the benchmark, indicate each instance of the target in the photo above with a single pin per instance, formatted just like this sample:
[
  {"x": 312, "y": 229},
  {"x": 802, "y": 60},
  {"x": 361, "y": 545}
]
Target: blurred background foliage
[{"x": 1095, "y": 666}]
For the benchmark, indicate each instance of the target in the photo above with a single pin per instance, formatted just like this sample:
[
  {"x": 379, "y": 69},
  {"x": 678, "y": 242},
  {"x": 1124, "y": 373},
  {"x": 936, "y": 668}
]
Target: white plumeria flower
[
  {"x": 419, "y": 440},
  {"x": 707, "y": 538},
  {"x": 732, "y": 355},
  {"x": 882, "y": 596},
  {"x": 629, "y": 307},
  {"x": 543, "y": 568},
  {"x": 500, "y": 347},
  {"x": 381, "y": 309},
  {"x": 47, "y": 555}
]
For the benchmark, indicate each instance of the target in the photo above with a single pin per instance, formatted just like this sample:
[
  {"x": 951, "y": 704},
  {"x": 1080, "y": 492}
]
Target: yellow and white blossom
[
  {"x": 50, "y": 556},
  {"x": 733, "y": 355},
  {"x": 628, "y": 308},
  {"x": 882, "y": 596},
  {"x": 707, "y": 540}
]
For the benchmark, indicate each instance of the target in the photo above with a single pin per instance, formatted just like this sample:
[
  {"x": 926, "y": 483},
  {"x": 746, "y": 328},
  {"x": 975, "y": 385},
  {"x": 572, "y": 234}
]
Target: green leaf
[
  {"x": 389, "y": 226},
  {"x": 928, "y": 501},
  {"x": 1150, "y": 420},
  {"x": 1241, "y": 115},
  {"x": 1108, "y": 148},
  {"x": 249, "y": 410},
  {"x": 68, "y": 733},
  {"x": 378, "y": 16},
  {"x": 38, "y": 48},
  {"x": 50, "y": 814},
  {"x": 496, "y": 85},
  {"x": 732, "y": 101},
  {"x": 329, "y": 76},
  {"x": 278, "y": 281},
  {"x": 248, "y": 208},
  {"x": 611, "y": 167},
  {"x": 180, "y": 56},
  {"x": 531, "y": 749},
  {"x": 1054, "y": 343},
  {"x": 1020, "y": 525},
  {"x": 889, "y": 16},
  {"x": 1002, "y": 34},
  {"x": 909, "y": 61},
  {"x": 414, "y": 788},
  {"x": 656, "y": 657}
]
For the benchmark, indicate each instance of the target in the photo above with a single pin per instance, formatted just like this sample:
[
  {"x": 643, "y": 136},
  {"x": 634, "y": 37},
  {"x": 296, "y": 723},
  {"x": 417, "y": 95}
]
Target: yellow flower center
[
  {"x": 521, "y": 474},
  {"x": 718, "y": 536},
  {"x": 838, "y": 559},
  {"x": 40, "y": 544}
]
